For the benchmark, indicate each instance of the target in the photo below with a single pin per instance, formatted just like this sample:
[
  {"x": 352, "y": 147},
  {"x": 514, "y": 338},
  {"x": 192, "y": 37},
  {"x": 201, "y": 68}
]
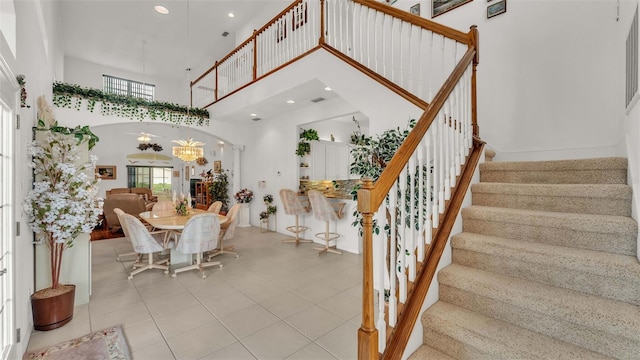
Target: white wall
[
  {"x": 88, "y": 74},
  {"x": 38, "y": 52},
  {"x": 547, "y": 84},
  {"x": 632, "y": 117}
]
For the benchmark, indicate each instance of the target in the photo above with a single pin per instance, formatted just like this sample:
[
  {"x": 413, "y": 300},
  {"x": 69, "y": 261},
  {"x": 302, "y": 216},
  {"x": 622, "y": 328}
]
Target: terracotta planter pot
[{"x": 52, "y": 308}]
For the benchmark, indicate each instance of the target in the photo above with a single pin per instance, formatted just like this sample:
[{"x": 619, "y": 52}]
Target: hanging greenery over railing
[{"x": 72, "y": 96}]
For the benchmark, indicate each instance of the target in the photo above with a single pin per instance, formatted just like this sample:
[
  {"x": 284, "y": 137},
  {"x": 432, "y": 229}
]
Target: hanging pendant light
[{"x": 188, "y": 150}]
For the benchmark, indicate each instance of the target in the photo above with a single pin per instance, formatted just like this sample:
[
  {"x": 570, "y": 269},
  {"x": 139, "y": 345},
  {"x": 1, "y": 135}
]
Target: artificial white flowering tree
[{"x": 63, "y": 202}]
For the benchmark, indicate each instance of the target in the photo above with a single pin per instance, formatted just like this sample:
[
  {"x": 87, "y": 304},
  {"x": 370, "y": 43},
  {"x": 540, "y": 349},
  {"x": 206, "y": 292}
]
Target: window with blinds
[{"x": 115, "y": 85}]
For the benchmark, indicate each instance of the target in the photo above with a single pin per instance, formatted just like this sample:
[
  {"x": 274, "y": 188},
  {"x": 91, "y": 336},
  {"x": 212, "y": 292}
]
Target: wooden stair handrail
[
  {"x": 411, "y": 310},
  {"x": 397, "y": 163}
]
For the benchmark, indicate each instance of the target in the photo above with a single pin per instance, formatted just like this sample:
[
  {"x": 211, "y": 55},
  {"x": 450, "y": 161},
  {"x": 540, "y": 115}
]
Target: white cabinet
[{"x": 329, "y": 160}]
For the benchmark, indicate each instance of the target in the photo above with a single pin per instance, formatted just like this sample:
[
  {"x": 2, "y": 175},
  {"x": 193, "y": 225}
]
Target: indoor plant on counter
[{"x": 61, "y": 205}]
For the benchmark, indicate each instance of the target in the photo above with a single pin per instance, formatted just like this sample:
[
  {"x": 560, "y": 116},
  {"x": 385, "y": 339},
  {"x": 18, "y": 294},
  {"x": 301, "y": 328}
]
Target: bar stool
[
  {"x": 326, "y": 211},
  {"x": 293, "y": 206}
]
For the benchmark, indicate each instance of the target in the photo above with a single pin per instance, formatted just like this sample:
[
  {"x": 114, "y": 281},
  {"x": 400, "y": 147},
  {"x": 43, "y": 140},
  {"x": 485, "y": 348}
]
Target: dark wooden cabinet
[{"x": 203, "y": 197}]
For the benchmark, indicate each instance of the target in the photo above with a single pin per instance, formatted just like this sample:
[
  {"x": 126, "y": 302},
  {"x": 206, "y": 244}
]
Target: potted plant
[
  {"x": 61, "y": 205},
  {"x": 219, "y": 189},
  {"x": 304, "y": 147}
]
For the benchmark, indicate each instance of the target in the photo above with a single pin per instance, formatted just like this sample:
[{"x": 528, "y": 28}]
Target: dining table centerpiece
[{"x": 62, "y": 204}]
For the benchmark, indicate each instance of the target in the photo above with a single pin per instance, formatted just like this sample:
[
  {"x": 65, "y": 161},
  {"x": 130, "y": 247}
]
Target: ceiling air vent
[
  {"x": 256, "y": 119},
  {"x": 224, "y": 34},
  {"x": 316, "y": 100}
]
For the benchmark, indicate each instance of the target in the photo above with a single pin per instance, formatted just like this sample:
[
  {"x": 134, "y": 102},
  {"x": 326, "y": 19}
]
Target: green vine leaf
[{"x": 72, "y": 96}]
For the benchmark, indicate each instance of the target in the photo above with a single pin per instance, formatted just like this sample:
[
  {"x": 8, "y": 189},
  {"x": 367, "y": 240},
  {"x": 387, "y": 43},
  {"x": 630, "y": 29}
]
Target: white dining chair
[
  {"x": 145, "y": 242},
  {"x": 215, "y": 207},
  {"x": 227, "y": 231},
  {"x": 201, "y": 233}
]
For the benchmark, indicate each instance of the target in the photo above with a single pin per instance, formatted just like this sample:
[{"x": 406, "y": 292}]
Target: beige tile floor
[{"x": 275, "y": 301}]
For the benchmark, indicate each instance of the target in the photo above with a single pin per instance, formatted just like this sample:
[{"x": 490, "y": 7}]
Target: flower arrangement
[
  {"x": 244, "y": 196},
  {"x": 63, "y": 202},
  {"x": 268, "y": 199},
  {"x": 182, "y": 207}
]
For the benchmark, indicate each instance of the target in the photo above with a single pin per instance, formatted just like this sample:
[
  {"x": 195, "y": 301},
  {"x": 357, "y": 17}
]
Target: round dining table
[{"x": 172, "y": 221}]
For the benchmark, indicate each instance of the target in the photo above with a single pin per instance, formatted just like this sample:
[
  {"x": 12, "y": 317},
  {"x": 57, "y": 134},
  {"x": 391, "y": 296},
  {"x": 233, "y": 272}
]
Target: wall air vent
[
  {"x": 316, "y": 100},
  {"x": 632, "y": 62}
]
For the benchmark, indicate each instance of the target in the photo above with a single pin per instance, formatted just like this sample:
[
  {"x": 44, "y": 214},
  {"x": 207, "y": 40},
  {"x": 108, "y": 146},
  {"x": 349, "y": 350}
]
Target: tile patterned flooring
[{"x": 275, "y": 301}]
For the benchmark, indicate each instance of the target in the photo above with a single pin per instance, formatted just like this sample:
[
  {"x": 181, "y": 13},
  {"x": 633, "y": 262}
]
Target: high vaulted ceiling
[
  {"x": 132, "y": 36},
  {"x": 120, "y": 33}
]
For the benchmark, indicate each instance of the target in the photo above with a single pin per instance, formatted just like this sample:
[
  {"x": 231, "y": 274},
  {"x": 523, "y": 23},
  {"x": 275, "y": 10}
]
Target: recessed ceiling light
[
  {"x": 327, "y": 88},
  {"x": 161, "y": 9},
  {"x": 253, "y": 114},
  {"x": 290, "y": 102},
  {"x": 231, "y": 15}
]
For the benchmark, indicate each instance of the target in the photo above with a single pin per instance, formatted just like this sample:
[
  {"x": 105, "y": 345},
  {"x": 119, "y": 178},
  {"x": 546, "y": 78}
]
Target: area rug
[{"x": 106, "y": 344}]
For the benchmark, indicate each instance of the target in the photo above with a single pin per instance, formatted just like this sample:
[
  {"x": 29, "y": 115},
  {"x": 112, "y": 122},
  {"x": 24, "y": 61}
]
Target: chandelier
[
  {"x": 144, "y": 138},
  {"x": 188, "y": 150}
]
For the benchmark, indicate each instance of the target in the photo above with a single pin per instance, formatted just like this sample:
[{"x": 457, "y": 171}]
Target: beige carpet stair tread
[
  {"x": 425, "y": 352},
  {"x": 606, "y": 163},
  {"x": 610, "y": 233},
  {"x": 595, "y": 262},
  {"x": 614, "y": 317},
  {"x": 583, "y": 171},
  {"x": 495, "y": 339},
  {"x": 606, "y": 199},
  {"x": 613, "y": 276}
]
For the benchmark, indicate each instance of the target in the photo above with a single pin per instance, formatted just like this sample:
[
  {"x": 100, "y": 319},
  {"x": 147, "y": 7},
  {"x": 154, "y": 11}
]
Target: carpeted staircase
[{"x": 545, "y": 267}]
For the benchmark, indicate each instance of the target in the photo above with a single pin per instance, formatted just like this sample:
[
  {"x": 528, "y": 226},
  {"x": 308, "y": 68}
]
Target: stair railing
[{"x": 414, "y": 202}]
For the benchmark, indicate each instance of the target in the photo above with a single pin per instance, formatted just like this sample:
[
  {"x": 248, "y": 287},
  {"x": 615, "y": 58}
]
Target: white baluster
[
  {"x": 402, "y": 258},
  {"x": 411, "y": 236},
  {"x": 393, "y": 248}
]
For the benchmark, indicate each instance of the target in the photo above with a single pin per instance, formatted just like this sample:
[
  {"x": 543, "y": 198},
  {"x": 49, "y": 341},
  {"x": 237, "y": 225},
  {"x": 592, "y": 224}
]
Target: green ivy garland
[{"x": 71, "y": 96}]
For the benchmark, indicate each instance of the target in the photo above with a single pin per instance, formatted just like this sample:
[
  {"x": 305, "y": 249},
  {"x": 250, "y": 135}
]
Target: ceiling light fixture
[
  {"x": 290, "y": 102},
  {"x": 161, "y": 9},
  {"x": 231, "y": 15},
  {"x": 189, "y": 150},
  {"x": 144, "y": 138},
  {"x": 327, "y": 88},
  {"x": 253, "y": 114}
]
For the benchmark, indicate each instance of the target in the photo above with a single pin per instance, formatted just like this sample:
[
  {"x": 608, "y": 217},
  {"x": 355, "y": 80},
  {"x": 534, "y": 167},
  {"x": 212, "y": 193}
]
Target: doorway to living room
[{"x": 156, "y": 178}]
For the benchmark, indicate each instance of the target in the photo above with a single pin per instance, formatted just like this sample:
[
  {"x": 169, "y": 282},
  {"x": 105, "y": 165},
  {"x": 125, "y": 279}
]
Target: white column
[{"x": 236, "y": 169}]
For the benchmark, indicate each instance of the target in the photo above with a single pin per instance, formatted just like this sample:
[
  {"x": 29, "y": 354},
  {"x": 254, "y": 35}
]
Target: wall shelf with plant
[
  {"x": 304, "y": 147},
  {"x": 72, "y": 96}
]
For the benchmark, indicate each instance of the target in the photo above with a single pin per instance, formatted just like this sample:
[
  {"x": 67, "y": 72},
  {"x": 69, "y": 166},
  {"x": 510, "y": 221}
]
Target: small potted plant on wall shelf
[{"x": 304, "y": 147}]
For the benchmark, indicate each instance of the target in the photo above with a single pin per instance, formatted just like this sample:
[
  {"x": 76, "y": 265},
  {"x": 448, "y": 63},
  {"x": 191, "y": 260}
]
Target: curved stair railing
[{"x": 409, "y": 211}]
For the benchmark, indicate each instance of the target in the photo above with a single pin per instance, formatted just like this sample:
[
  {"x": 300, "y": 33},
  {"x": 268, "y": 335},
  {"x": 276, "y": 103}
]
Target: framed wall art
[
  {"x": 415, "y": 9},
  {"x": 217, "y": 166},
  {"x": 497, "y": 8},
  {"x": 439, "y": 7},
  {"x": 106, "y": 172}
]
